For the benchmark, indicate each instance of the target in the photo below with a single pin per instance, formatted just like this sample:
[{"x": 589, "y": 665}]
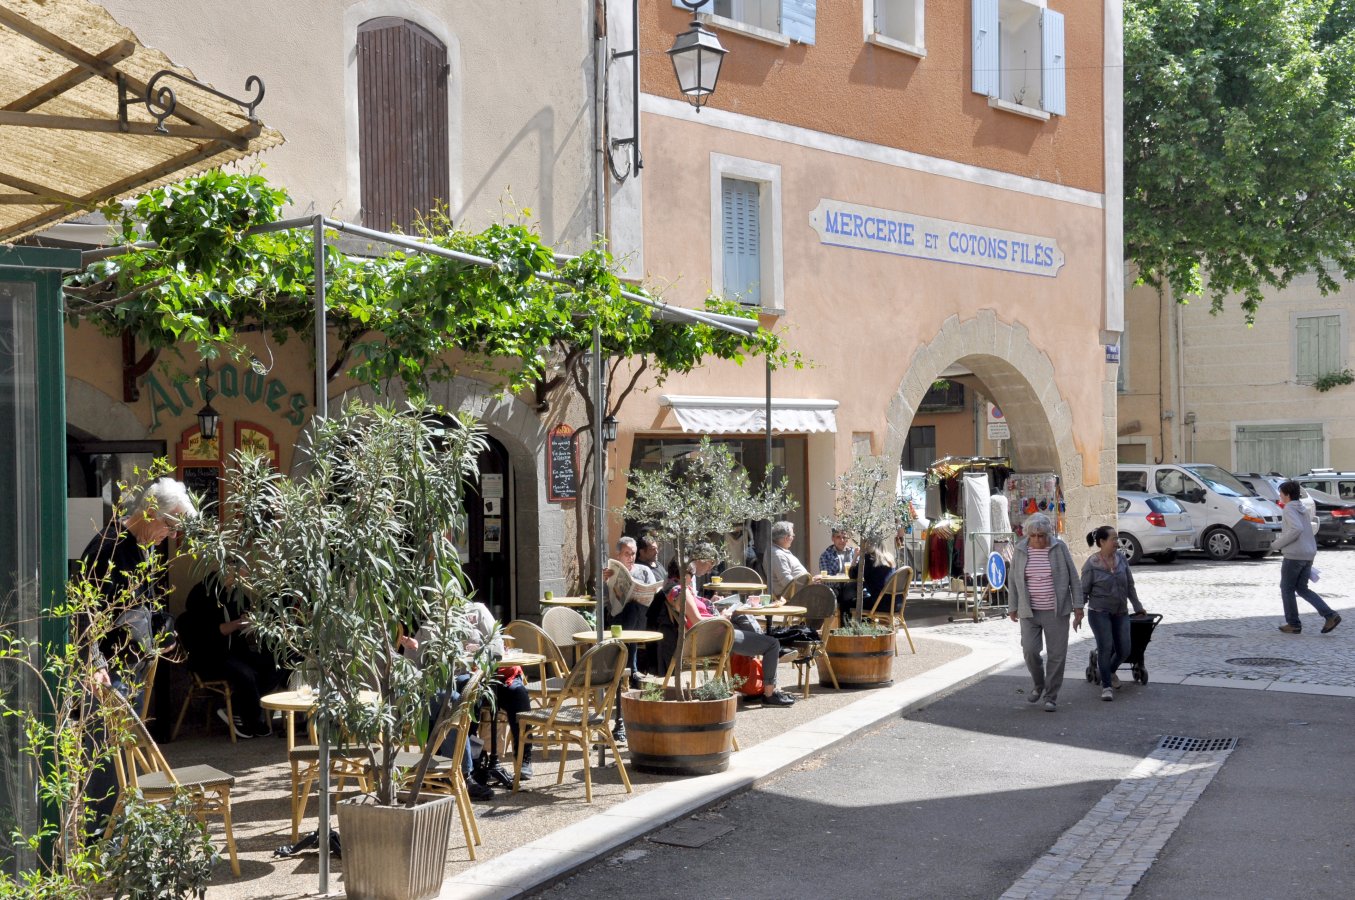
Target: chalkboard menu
[
  {"x": 562, "y": 482},
  {"x": 204, "y": 482}
]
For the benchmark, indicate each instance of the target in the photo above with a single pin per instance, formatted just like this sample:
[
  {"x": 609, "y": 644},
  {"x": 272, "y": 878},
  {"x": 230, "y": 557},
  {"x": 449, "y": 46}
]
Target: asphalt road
[{"x": 959, "y": 799}]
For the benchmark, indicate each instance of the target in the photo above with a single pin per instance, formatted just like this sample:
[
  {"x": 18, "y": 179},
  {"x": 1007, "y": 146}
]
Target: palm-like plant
[
  {"x": 343, "y": 558},
  {"x": 700, "y": 497}
]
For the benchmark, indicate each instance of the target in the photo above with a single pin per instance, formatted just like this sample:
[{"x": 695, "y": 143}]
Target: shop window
[
  {"x": 1289, "y": 447},
  {"x": 919, "y": 448},
  {"x": 746, "y": 231},
  {"x": 1319, "y": 346},
  {"x": 778, "y": 21},
  {"x": 1019, "y": 60},
  {"x": 943, "y": 396},
  {"x": 403, "y": 137},
  {"x": 896, "y": 24}
]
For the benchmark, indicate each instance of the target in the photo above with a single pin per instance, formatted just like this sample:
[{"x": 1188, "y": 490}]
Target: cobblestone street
[{"x": 1220, "y": 623}]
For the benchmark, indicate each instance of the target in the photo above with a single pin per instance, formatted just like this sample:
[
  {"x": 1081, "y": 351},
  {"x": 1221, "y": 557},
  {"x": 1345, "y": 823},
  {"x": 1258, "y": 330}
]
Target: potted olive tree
[
  {"x": 340, "y": 561},
  {"x": 698, "y": 498},
  {"x": 867, "y": 507}
]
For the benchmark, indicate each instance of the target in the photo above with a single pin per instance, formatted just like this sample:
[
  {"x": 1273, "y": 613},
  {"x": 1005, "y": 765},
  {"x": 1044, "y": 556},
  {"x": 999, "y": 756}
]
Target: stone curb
[{"x": 553, "y": 857}]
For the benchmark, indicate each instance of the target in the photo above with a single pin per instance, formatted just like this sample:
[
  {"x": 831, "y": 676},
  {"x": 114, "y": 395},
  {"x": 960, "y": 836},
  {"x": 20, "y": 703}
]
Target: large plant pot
[
  {"x": 394, "y": 853},
  {"x": 679, "y": 737},
  {"x": 859, "y": 659}
]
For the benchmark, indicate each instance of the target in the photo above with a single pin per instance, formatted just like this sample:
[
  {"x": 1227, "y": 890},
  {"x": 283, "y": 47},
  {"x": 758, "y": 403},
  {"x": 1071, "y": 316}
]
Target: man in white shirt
[{"x": 785, "y": 567}]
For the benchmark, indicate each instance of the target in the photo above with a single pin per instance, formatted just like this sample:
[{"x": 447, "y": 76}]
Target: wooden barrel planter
[
  {"x": 859, "y": 659},
  {"x": 679, "y": 737}
]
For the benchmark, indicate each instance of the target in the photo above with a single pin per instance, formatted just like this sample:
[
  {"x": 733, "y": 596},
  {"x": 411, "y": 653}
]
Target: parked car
[
  {"x": 1265, "y": 486},
  {"x": 1152, "y": 525},
  {"x": 1329, "y": 481},
  {"x": 1228, "y": 519},
  {"x": 1335, "y": 518}
]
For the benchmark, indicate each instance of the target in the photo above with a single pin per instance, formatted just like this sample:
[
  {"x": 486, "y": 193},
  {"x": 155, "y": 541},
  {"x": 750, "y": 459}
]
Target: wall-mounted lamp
[
  {"x": 209, "y": 420},
  {"x": 697, "y": 54},
  {"x": 609, "y": 430}
]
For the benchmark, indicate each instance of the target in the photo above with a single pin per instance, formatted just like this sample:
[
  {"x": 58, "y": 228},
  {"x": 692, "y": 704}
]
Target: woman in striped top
[{"x": 1043, "y": 584}]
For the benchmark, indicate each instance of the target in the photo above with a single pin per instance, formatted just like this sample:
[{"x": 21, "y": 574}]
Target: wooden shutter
[
  {"x": 741, "y": 233},
  {"x": 797, "y": 19},
  {"x": 1053, "y": 68},
  {"x": 1318, "y": 346},
  {"x": 402, "y": 122},
  {"x": 1279, "y": 448},
  {"x": 987, "y": 40}
]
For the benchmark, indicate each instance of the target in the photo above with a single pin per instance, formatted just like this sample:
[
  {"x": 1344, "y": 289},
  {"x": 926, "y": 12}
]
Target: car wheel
[
  {"x": 1329, "y": 543},
  {"x": 1220, "y": 544},
  {"x": 1166, "y": 557},
  {"x": 1129, "y": 546}
]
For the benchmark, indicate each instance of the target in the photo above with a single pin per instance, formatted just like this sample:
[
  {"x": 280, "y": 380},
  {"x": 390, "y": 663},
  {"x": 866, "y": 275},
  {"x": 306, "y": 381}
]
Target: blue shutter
[
  {"x": 1053, "y": 67},
  {"x": 797, "y": 20},
  {"x": 741, "y": 238},
  {"x": 703, "y": 8},
  {"x": 987, "y": 39}
]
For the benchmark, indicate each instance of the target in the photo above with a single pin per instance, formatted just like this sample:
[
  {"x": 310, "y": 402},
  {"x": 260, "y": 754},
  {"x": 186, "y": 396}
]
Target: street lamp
[
  {"x": 208, "y": 418},
  {"x": 697, "y": 54},
  {"x": 609, "y": 429}
]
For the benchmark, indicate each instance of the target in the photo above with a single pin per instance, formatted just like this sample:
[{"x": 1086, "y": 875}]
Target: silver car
[{"x": 1152, "y": 525}]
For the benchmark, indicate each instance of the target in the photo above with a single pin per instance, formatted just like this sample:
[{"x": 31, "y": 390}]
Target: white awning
[{"x": 739, "y": 415}]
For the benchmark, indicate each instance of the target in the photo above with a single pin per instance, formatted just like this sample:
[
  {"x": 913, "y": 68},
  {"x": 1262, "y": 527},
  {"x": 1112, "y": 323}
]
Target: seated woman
[
  {"x": 746, "y": 643},
  {"x": 879, "y": 564}
]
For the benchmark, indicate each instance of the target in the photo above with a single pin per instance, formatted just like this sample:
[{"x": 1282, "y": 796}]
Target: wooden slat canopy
[{"x": 75, "y": 130}]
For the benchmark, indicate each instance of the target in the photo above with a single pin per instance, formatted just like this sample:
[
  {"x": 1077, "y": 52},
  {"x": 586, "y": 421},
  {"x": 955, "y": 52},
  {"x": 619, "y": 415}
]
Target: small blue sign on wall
[
  {"x": 997, "y": 571},
  {"x": 1112, "y": 353}
]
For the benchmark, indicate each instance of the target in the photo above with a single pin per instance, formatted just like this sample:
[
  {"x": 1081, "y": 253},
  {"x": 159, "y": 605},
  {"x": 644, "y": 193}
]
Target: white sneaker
[
  {"x": 237, "y": 726},
  {"x": 1107, "y": 694}
]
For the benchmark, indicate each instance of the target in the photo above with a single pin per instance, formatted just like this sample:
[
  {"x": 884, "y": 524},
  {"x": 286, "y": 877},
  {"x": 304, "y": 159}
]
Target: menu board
[
  {"x": 204, "y": 482},
  {"x": 562, "y": 481}
]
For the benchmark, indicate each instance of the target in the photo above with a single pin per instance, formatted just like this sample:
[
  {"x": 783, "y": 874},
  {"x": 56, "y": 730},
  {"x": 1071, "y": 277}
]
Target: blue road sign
[{"x": 997, "y": 571}]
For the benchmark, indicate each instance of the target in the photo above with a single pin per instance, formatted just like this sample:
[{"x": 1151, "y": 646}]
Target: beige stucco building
[
  {"x": 1202, "y": 387},
  {"x": 901, "y": 213}
]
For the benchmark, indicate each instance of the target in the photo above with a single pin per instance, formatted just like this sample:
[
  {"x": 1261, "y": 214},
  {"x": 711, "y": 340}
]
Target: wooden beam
[
  {"x": 63, "y": 83},
  {"x": 237, "y": 140},
  {"x": 37, "y": 190}
]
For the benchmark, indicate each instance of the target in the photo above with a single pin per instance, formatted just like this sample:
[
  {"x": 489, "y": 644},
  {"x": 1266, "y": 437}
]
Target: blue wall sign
[{"x": 997, "y": 571}]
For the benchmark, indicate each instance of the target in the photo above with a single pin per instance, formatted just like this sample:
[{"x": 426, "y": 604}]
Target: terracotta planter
[
  {"x": 394, "y": 853},
  {"x": 679, "y": 737},
  {"x": 859, "y": 659}
]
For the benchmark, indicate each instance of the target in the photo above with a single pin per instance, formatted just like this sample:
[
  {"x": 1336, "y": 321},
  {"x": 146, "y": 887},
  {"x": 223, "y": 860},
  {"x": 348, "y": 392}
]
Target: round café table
[
  {"x": 737, "y": 587},
  {"x": 572, "y": 602},
  {"x": 628, "y": 636},
  {"x": 772, "y": 612},
  {"x": 292, "y": 702},
  {"x": 842, "y": 578}
]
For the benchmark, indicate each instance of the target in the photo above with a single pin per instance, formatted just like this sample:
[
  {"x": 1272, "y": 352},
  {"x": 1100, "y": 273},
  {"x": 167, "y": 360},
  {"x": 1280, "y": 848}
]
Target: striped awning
[
  {"x": 742, "y": 415},
  {"x": 76, "y": 129}
]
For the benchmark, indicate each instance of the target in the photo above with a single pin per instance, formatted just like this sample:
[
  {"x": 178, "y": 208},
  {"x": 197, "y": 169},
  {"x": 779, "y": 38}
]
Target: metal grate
[
  {"x": 1263, "y": 661},
  {"x": 1214, "y": 635},
  {"x": 1196, "y": 745}
]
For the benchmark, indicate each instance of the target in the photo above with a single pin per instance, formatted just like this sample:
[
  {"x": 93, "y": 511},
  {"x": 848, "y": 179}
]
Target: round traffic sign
[{"x": 997, "y": 571}]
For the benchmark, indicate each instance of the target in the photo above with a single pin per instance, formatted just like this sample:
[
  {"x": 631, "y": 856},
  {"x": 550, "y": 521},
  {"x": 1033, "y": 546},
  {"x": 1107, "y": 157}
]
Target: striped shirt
[{"x": 1039, "y": 578}]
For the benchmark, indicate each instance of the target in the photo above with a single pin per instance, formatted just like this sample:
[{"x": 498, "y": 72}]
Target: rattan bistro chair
[
  {"x": 883, "y": 611},
  {"x": 580, "y": 714},
  {"x": 197, "y": 690},
  {"x": 797, "y": 584},
  {"x": 820, "y": 605},
  {"x": 705, "y": 648},
  {"x": 742, "y": 574},
  {"x": 561, "y": 623},
  {"x": 551, "y": 674}
]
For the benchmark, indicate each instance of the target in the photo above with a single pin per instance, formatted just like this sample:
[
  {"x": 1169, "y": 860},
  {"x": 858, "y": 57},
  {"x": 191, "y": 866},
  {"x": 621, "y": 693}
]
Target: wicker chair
[
  {"x": 820, "y": 605},
  {"x": 532, "y": 638},
  {"x": 219, "y": 688},
  {"x": 797, "y": 584},
  {"x": 741, "y": 574},
  {"x": 895, "y": 593},
  {"x": 707, "y": 644},
  {"x": 561, "y": 623}
]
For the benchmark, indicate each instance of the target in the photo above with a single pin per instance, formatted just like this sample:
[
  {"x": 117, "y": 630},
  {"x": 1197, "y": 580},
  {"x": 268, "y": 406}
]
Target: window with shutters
[
  {"x": 1019, "y": 60},
  {"x": 746, "y": 231},
  {"x": 1287, "y": 447},
  {"x": 1319, "y": 345},
  {"x": 919, "y": 448},
  {"x": 403, "y": 137},
  {"x": 896, "y": 24},
  {"x": 774, "y": 21}
]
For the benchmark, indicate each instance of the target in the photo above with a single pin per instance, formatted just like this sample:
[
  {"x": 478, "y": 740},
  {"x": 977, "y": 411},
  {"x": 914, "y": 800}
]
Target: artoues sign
[
  {"x": 905, "y": 234},
  {"x": 230, "y": 382}
]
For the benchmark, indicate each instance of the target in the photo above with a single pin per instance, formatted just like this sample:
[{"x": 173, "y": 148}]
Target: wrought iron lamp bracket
[{"x": 161, "y": 101}]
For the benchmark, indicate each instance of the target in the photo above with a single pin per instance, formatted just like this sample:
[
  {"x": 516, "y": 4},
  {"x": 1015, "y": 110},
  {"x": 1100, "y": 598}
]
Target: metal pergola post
[{"x": 321, "y": 411}]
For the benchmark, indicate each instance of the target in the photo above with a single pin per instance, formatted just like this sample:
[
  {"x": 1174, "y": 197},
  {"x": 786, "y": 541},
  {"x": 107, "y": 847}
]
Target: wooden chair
[
  {"x": 140, "y": 766},
  {"x": 707, "y": 643},
  {"x": 797, "y": 584},
  {"x": 149, "y": 686},
  {"x": 820, "y": 605},
  {"x": 561, "y": 623},
  {"x": 742, "y": 574},
  {"x": 530, "y": 638},
  {"x": 197, "y": 690},
  {"x": 345, "y": 763},
  {"x": 580, "y": 714},
  {"x": 895, "y": 593}
]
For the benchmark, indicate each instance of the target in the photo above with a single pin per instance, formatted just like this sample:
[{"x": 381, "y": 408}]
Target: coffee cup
[
  {"x": 550, "y": 595},
  {"x": 616, "y": 631}
]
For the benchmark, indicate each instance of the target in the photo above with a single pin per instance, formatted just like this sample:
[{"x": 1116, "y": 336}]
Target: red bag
[{"x": 750, "y": 667}]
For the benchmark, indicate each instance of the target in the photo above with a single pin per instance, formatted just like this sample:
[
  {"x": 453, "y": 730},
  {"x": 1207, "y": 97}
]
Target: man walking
[{"x": 1297, "y": 543}]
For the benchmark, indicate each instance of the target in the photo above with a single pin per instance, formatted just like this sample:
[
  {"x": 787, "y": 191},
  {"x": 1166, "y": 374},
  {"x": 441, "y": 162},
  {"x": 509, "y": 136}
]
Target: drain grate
[
  {"x": 1213, "y": 635},
  {"x": 1264, "y": 661},
  {"x": 1196, "y": 745}
]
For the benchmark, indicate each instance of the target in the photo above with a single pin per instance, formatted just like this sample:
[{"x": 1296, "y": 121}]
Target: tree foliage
[
  {"x": 1239, "y": 161},
  {"x": 867, "y": 506}
]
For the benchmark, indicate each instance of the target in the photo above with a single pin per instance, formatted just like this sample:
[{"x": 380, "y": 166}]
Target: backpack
[{"x": 750, "y": 667}]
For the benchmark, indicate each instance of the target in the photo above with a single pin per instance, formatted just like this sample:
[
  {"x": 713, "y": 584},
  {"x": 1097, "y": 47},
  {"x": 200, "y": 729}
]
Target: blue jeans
[
  {"x": 1294, "y": 580},
  {"x": 1111, "y": 631}
]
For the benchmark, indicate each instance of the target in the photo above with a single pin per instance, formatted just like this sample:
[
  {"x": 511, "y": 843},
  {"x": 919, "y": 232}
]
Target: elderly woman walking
[{"x": 1044, "y": 585}]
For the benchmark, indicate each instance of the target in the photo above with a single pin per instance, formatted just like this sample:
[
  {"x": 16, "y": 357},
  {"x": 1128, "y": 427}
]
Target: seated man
[
  {"x": 215, "y": 631},
  {"x": 836, "y": 559},
  {"x": 746, "y": 642},
  {"x": 785, "y": 567}
]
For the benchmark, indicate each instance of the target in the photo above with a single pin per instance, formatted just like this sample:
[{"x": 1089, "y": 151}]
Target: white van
[{"x": 1228, "y": 520}]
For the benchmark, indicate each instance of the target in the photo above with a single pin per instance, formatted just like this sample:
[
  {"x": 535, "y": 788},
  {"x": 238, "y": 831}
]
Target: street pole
[
  {"x": 599, "y": 473},
  {"x": 321, "y": 408}
]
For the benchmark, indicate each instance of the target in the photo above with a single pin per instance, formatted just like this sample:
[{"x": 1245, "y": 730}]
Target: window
[
  {"x": 1279, "y": 448},
  {"x": 746, "y": 231},
  {"x": 1019, "y": 56},
  {"x": 896, "y": 24},
  {"x": 946, "y": 398},
  {"x": 777, "y": 21},
  {"x": 1132, "y": 481},
  {"x": 402, "y": 122},
  {"x": 919, "y": 448},
  {"x": 1319, "y": 346}
]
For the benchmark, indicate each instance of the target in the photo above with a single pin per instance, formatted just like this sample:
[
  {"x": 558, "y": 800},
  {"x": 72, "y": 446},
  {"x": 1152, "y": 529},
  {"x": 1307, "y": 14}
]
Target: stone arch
[
  {"x": 1020, "y": 378},
  {"x": 541, "y": 525},
  {"x": 90, "y": 410}
]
